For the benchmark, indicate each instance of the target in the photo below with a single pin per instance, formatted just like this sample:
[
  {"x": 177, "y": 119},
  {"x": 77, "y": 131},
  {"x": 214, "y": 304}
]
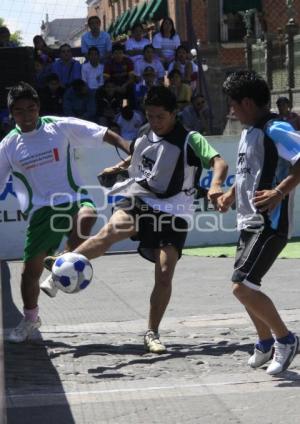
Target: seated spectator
[
  {"x": 5, "y": 38},
  {"x": 67, "y": 68},
  {"x": 79, "y": 101},
  {"x": 195, "y": 117},
  {"x": 41, "y": 72},
  {"x": 92, "y": 71},
  {"x": 141, "y": 88},
  {"x": 96, "y": 38},
  {"x": 42, "y": 50},
  {"x": 188, "y": 69},
  {"x": 183, "y": 92},
  {"x": 52, "y": 96},
  {"x": 119, "y": 69},
  {"x": 166, "y": 42},
  {"x": 286, "y": 114},
  {"x": 108, "y": 103},
  {"x": 129, "y": 122},
  {"x": 134, "y": 46},
  {"x": 150, "y": 60}
]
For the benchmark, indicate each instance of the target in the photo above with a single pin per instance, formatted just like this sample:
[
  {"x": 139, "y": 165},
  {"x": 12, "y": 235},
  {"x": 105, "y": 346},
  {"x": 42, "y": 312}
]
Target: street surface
[{"x": 88, "y": 365}]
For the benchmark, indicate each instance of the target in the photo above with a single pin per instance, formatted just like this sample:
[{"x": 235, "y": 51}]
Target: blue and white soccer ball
[{"x": 72, "y": 272}]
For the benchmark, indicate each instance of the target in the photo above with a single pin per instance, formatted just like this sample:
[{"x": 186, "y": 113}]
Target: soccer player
[
  {"x": 158, "y": 199},
  {"x": 268, "y": 170},
  {"x": 38, "y": 152}
]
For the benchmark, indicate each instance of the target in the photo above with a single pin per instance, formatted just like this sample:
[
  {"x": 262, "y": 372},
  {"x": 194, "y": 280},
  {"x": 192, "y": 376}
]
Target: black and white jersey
[
  {"x": 163, "y": 170},
  {"x": 265, "y": 154}
]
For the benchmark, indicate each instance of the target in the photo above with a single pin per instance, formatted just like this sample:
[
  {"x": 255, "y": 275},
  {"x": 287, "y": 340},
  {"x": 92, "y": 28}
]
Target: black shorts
[
  {"x": 255, "y": 254},
  {"x": 154, "y": 229}
]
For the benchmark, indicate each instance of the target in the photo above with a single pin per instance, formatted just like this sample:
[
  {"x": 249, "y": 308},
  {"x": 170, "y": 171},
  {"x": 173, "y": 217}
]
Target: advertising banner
[{"x": 208, "y": 227}]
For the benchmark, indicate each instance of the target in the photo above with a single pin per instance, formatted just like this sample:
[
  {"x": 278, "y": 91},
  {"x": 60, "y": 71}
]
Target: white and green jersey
[{"x": 41, "y": 161}]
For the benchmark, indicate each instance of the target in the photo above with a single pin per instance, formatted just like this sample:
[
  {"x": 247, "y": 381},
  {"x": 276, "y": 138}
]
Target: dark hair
[
  {"x": 173, "y": 32},
  {"x": 174, "y": 72},
  {"x": 147, "y": 47},
  {"x": 282, "y": 100},
  {"x": 161, "y": 96},
  {"x": 4, "y": 30},
  {"x": 94, "y": 17},
  {"x": 93, "y": 49},
  {"x": 52, "y": 77},
  {"x": 22, "y": 90},
  {"x": 181, "y": 47},
  {"x": 137, "y": 25},
  {"x": 39, "y": 37},
  {"x": 117, "y": 47},
  {"x": 241, "y": 84},
  {"x": 64, "y": 45}
]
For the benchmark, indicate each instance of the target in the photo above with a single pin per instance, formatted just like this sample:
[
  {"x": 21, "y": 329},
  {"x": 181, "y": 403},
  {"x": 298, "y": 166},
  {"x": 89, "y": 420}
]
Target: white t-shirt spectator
[
  {"x": 92, "y": 75},
  {"x": 132, "y": 44},
  {"x": 129, "y": 129},
  {"x": 167, "y": 45},
  {"x": 156, "y": 64},
  {"x": 102, "y": 42}
]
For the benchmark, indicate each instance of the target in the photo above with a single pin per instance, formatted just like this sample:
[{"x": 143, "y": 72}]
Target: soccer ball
[{"x": 72, "y": 272}]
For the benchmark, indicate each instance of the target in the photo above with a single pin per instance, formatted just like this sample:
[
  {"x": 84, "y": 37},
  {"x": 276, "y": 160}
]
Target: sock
[
  {"x": 265, "y": 345},
  {"x": 289, "y": 339},
  {"x": 31, "y": 314}
]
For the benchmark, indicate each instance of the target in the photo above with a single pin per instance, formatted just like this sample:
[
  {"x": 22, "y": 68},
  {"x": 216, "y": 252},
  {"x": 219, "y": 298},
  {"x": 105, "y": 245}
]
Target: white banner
[{"x": 209, "y": 227}]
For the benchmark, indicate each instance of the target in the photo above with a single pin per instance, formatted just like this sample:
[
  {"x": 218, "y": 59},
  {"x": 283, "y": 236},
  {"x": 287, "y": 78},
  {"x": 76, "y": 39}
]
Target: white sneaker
[
  {"x": 48, "y": 286},
  {"x": 259, "y": 358},
  {"x": 152, "y": 342},
  {"x": 283, "y": 356},
  {"x": 24, "y": 330}
]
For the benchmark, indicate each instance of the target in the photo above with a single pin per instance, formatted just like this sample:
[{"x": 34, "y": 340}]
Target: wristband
[{"x": 279, "y": 191}]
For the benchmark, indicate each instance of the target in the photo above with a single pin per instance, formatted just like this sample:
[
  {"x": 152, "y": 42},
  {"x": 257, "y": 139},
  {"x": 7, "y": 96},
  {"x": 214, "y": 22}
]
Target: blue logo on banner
[{"x": 8, "y": 190}]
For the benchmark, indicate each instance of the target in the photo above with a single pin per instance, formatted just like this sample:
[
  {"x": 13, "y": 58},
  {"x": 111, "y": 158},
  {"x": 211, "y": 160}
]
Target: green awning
[
  {"x": 117, "y": 21},
  {"x": 130, "y": 18},
  {"x": 233, "y": 6},
  {"x": 137, "y": 17},
  {"x": 127, "y": 19},
  {"x": 121, "y": 21},
  {"x": 147, "y": 11},
  {"x": 159, "y": 11}
]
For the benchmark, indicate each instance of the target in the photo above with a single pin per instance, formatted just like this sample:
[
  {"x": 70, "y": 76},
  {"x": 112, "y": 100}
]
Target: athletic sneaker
[
  {"x": 152, "y": 342},
  {"x": 259, "y": 358},
  {"x": 24, "y": 330},
  {"x": 48, "y": 286},
  {"x": 49, "y": 261},
  {"x": 283, "y": 356}
]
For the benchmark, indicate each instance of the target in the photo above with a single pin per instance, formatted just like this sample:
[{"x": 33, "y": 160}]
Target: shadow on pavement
[
  {"x": 29, "y": 372},
  {"x": 174, "y": 351}
]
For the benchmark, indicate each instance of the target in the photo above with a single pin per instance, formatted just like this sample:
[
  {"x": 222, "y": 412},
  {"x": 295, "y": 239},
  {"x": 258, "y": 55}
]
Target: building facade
[{"x": 60, "y": 31}]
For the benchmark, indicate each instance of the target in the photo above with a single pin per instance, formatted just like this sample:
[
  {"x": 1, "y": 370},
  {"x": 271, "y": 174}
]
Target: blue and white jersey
[{"x": 266, "y": 152}]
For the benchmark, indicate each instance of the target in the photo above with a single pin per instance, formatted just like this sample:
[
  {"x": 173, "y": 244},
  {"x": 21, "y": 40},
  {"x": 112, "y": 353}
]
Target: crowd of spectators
[{"x": 109, "y": 82}]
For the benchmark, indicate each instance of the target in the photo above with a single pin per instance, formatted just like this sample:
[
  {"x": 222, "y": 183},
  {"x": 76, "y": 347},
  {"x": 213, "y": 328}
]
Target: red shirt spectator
[{"x": 120, "y": 68}]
